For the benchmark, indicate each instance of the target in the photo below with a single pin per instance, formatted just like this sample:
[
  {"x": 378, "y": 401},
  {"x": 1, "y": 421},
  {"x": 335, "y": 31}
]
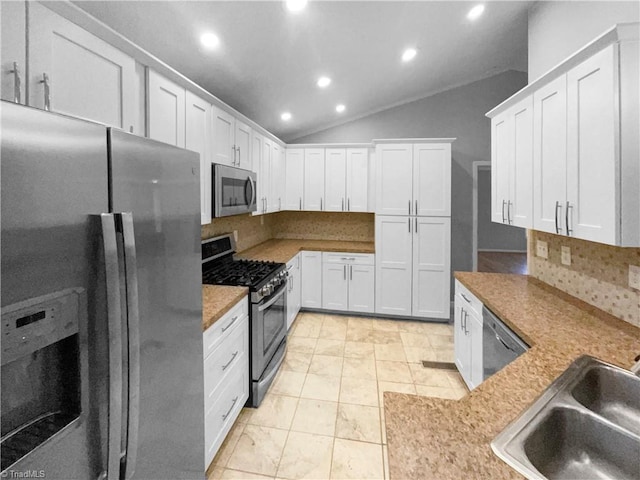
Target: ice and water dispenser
[{"x": 41, "y": 371}]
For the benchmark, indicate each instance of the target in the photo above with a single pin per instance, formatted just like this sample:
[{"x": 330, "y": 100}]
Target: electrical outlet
[
  {"x": 634, "y": 276},
  {"x": 565, "y": 255},
  {"x": 542, "y": 249},
  {"x": 235, "y": 235}
]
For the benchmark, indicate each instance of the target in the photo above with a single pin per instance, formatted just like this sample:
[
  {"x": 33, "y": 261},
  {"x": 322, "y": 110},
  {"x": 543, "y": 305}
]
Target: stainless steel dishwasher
[{"x": 500, "y": 345}]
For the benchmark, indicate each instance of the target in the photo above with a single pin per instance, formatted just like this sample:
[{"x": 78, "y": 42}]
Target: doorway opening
[{"x": 497, "y": 248}]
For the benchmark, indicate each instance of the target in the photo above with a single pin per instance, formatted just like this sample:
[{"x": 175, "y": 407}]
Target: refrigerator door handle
[
  {"x": 133, "y": 322},
  {"x": 114, "y": 320}
]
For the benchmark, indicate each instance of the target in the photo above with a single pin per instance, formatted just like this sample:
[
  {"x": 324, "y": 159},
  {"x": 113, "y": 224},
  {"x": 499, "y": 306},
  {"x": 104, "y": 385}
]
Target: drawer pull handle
[
  {"x": 233, "y": 404},
  {"x": 463, "y": 296},
  {"x": 224, "y": 367},
  {"x": 233, "y": 320}
]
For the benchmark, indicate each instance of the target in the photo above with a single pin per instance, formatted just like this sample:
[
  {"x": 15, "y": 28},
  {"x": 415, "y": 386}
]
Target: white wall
[{"x": 559, "y": 28}]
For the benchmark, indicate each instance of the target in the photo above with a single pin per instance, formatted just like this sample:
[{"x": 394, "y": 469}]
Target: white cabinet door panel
[
  {"x": 474, "y": 326},
  {"x": 294, "y": 171},
  {"x": 501, "y": 159},
  {"x": 267, "y": 152},
  {"x": 362, "y": 288},
  {"x": 223, "y": 137},
  {"x": 393, "y": 264},
  {"x": 592, "y": 157},
  {"x": 257, "y": 147},
  {"x": 13, "y": 49},
  {"x": 461, "y": 340},
  {"x": 521, "y": 171},
  {"x": 394, "y": 179},
  {"x": 277, "y": 179},
  {"x": 311, "y": 271},
  {"x": 165, "y": 110},
  {"x": 550, "y": 155},
  {"x": 243, "y": 145},
  {"x": 357, "y": 180},
  {"x": 88, "y": 78},
  {"x": 314, "y": 179},
  {"x": 198, "y": 139},
  {"x": 334, "y": 286},
  {"x": 335, "y": 182},
  {"x": 432, "y": 179}
]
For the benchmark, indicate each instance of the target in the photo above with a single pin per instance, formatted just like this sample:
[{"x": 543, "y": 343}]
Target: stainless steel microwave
[{"x": 233, "y": 191}]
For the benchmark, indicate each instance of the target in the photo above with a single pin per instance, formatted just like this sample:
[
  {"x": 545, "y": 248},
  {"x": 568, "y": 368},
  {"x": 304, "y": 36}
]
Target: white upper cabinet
[
  {"x": 335, "y": 181},
  {"x": 357, "y": 180},
  {"x": 265, "y": 171},
  {"x": 13, "y": 51},
  {"x": 223, "y": 137},
  {"x": 314, "y": 179},
  {"x": 413, "y": 179},
  {"x": 165, "y": 110},
  {"x": 277, "y": 178},
  {"x": 243, "y": 145},
  {"x": 512, "y": 165},
  {"x": 198, "y": 138},
  {"x": 294, "y": 170},
  {"x": 74, "y": 72},
  {"x": 257, "y": 152}
]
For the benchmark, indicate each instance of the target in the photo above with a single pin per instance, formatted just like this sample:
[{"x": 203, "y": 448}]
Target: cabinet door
[
  {"x": 592, "y": 156},
  {"x": 87, "y": 77},
  {"x": 550, "y": 155},
  {"x": 357, "y": 180},
  {"x": 314, "y": 179},
  {"x": 431, "y": 267},
  {"x": 256, "y": 165},
  {"x": 13, "y": 49},
  {"x": 394, "y": 171},
  {"x": 311, "y": 285},
  {"x": 362, "y": 288},
  {"x": 474, "y": 327},
  {"x": 461, "y": 341},
  {"x": 277, "y": 178},
  {"x": 294, "y": 171},
  {"x": 393, "y": 264},
  {"x": 520, "y": 212},
  {"x": 297, "y": 284},
  {"x": 501, "y": 159},
  {"x": 267, "y": 151},
  {"x": 198, "y": 139},
  {"x": 243, "y": 145},
  {"x": 223, "y": 137},
  {"x": 165, "y": 110},
  {"x": 335, "y": 181},
  {"x": 291, "y": 280},
  {"x": 335, "y": 286},
  {"x": 432, "y": 179}
]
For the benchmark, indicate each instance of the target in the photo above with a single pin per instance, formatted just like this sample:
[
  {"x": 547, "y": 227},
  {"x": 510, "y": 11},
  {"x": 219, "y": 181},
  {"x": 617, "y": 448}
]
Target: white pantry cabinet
[
  {"x": 166, "y": 108},
  {"x": 314, "y": 179},
  {"x": 13, "y": 51},
  {"x": 414, "y": 178},
  {"x": 346, "y": 179},
  {"x": 74, "y": 72},
  {"x": 311, "y": 289},
  {"x": 512, "y": 165},
  {"x": 231, "y": 140},
  {"x": 294, "y": 298},
  {"x": 348, "y": 281},
  {"x": 467, "y": 336},
  {"x": 198, "y": 138},
  {"x": 294, "y": 180}
]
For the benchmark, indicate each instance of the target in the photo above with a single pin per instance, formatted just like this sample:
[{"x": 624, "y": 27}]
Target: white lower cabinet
[
  {"x": 311, "y": 289},
  {"x": 348, "y": 282},
  {"x": 226, "y": 375},
  {"x": 467, "y": 336},
  {"x": 294, "y": 298}
]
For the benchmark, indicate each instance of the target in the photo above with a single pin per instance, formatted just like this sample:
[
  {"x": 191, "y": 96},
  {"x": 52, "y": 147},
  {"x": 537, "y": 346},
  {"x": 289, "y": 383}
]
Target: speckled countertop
[
  {"x": 431, "y": 438},
  {"x": 218, "y": 300},
  {"x": 284, "y": 250}
]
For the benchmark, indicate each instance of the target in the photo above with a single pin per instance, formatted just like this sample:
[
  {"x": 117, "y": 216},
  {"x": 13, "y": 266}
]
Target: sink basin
[{"x": 586, "y": 425}]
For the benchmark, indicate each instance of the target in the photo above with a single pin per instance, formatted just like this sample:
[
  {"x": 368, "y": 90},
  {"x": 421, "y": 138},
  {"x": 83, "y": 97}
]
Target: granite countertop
[
  {"x": 218, "y": 300},
  {"x": 284, "y": 250},
  {"x": 449, "y": 439}
]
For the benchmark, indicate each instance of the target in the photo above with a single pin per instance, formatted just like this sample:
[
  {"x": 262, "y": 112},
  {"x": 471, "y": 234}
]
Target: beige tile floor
[{"x": 323, "y": 417}]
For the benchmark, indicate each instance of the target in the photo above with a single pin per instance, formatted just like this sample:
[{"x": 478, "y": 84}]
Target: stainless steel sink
[{"x": 586, "y": 425}]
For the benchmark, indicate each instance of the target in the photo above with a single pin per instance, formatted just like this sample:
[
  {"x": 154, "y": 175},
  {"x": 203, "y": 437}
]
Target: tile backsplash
[
  {"x": 252, "y": 230},
  {"x": 598, "y": 274}
]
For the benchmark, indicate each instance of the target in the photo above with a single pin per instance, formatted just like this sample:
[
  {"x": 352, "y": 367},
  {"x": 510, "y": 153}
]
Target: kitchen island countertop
[{"x": 432, "y": 438}]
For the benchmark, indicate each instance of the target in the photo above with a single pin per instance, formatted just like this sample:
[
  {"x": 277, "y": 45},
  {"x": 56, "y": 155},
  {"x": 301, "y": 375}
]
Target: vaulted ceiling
[{"x": 269, "y": 59}]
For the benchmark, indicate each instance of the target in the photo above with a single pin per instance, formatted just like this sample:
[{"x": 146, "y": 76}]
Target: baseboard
[{"x": 376, "y": 315}]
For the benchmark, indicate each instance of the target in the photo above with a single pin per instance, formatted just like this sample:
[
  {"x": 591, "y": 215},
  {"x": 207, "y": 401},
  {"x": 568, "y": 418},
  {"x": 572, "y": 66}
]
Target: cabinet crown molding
[{"x": 414, "y": 140}]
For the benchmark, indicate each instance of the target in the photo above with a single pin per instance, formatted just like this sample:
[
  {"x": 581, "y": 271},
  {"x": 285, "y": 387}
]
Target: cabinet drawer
[
  {"x": 226, "y": 406},
  {"x": 213, "y": 335},
  {"x": 469, "y": 299},
  {"x": 350, "y": 258},
  {"x": 232, "y": 351}
]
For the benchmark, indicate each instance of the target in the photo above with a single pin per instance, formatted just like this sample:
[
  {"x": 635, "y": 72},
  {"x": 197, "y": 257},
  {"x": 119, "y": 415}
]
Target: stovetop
[{"x": 245, "y": 273}]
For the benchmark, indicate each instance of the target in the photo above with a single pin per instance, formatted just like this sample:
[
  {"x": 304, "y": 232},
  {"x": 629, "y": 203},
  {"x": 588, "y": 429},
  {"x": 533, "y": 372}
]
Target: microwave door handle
[
  {"x": 253, "y": 191},
  {"x": 114, "y": 328},
  {"x": 133, "y": 322}
]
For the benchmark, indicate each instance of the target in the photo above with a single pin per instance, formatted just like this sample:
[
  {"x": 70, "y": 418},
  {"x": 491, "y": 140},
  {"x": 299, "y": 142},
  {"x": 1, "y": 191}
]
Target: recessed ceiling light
[
  {"x": 340, "y": 108},
  {"x": 475, "y": 12},
  {"x": 409, "y": 54},
  {"x": 324, "y": 82},
  {"x": 209, "y": 40},
  {"x": 296, "y": 5},
  {"x": 286, "y": 116}
]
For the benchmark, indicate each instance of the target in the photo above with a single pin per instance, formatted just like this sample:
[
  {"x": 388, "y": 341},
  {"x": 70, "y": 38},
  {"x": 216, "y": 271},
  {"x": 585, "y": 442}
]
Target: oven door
[
  {"x": 268, "y": 328},
  {"x": 233, "y": 191}
]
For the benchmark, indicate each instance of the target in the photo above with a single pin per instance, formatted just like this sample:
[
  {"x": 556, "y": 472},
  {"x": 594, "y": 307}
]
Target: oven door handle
[{"x": 274, "y": 299}]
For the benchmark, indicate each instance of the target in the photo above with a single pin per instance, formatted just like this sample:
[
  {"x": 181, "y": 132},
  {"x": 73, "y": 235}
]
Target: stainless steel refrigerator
[{"x": 101, "y": 303}]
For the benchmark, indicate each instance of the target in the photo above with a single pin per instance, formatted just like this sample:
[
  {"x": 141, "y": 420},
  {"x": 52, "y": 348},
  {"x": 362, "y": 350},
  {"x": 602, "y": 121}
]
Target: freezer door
[
  {"x": 54, "y": 376},
  {"x": 160, "y": 186}
]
